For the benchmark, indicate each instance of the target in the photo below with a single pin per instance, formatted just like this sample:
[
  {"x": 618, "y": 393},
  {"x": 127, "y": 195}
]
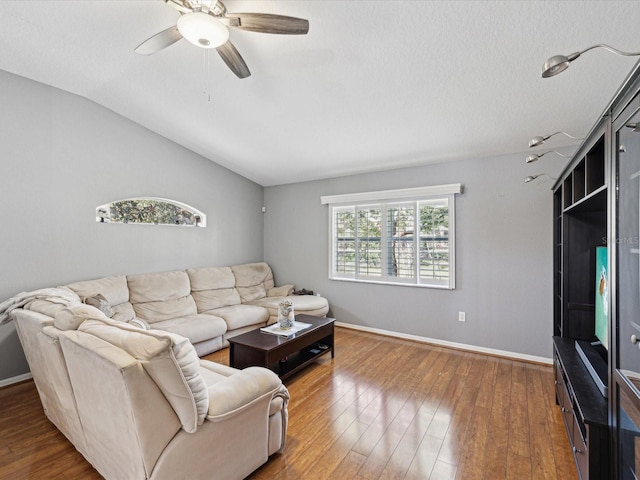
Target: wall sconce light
[
  {"x": 534, "y": 157},
  {"x": 536, "y": 141},
  {"x": 559, "y": 63},
  {"x": 531, "y": 178}
]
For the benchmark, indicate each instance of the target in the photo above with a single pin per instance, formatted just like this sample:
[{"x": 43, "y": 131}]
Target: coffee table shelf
[{"x": 256, "y": 348}]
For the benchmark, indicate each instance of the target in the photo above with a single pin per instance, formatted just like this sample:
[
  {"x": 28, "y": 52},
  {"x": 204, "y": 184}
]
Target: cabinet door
[
  {"x": 626, "y": 275},
  {"x": 627, "y": 245}
]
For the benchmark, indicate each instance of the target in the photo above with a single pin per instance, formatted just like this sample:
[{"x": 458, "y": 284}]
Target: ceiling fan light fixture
[{"x": 203, "y": 30}]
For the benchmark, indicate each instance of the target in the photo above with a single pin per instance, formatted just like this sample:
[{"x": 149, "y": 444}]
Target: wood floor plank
[
  {"x": 383, "y": 408},
  {"x": 425, "y": 458},
  {"x": 398, "y": 464},
  {"x": 455, "y": 440},
  {"x": 386, "y": 446},
  {"x": 349, "y": 467},
  {"x": 542, "y": 461},
  {"x": 472, "y": 459},
  {"x": 518, "y": 412},
  {"x": 495, "y": 460},
  {"x": 443, "y": 471}
]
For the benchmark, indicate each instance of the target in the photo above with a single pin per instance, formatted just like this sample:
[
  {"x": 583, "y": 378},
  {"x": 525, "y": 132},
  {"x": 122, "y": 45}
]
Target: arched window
[{"x": 149, "y": 210}]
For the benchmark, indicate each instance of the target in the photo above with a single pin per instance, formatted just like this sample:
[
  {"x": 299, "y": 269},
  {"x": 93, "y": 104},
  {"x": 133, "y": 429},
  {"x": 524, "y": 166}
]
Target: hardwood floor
[{"x": 383, "y": 408}]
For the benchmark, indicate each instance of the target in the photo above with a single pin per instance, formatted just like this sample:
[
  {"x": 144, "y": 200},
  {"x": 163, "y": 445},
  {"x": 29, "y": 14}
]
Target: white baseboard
[
  {"x": 445, "y": 343},
  {"x": 20, "y": 378}
]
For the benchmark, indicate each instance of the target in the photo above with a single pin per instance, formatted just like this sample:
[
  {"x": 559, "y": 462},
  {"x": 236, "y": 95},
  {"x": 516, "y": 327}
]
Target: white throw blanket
[{"x": 62, "y": 296}]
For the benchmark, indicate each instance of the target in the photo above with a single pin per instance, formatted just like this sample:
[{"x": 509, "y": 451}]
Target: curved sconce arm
[
  {"x": 536, "y": 141},
  {"x": 536, "y": 156},
  {"x": 559, "y": 63},
  {"x": 531, "y": 178}
]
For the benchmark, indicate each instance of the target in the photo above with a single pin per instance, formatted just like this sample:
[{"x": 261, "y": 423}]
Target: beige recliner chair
[{"x": 146, "y": 407}]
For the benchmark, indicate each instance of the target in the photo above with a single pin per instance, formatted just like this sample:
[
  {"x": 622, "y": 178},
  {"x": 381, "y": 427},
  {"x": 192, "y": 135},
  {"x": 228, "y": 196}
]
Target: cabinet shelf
[{"x": 595, "y": 201}]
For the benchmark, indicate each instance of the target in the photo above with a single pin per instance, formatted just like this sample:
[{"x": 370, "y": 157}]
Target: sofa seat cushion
[
  {"x": 238, "y": 316},
  {"x": 213, "y": 373},
  {"x": 301, "y": 304},
  {"x": 196, "y": 327},
  {"x": 235, "y": 393},
  {"x": 169, "y": 359},
  {"x": 161, "y": 296}
]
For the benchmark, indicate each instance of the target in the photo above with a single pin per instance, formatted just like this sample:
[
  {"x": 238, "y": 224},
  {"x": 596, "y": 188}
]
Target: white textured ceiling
[{"x": 374, "y": 85}]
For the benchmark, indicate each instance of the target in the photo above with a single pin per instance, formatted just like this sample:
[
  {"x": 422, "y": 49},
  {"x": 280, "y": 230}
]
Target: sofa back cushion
[
  {"x": 213, "y": 287},
  {"x": 114, "y": 289},
  {"x": 71, "y": 317},
  {"x": 161, "y": 296},
  {"x": 253, "y": 280},
  {"x": 169, "y": 359}
]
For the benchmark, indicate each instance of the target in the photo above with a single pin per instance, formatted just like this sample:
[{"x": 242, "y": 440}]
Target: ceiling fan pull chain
[{"x": 206, "y": 74}]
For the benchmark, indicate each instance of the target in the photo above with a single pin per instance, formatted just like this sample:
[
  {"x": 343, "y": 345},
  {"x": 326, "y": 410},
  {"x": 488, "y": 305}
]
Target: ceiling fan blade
[
  {"x": 179, "y": 5},
  {"x": 159, "y": 41},
  {"x": 269, "y": 23},
  {"x": 234, "y": 60}
]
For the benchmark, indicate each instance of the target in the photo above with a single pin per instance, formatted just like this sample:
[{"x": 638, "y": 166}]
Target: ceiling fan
[{"x": 205, "y": 24}]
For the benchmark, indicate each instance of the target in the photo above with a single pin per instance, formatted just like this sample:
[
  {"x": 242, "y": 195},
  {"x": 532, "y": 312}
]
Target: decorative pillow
[
  {"x": 138, "y": 322},
  {"x": 101, "y": 303},
  {"x": 282, "y": 291},
  {"x": 71, "y": 317}
]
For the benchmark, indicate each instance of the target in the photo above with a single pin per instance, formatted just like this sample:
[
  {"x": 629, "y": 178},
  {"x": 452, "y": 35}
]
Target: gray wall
[
  {"x": 62, "y": 156},
  {"x": 503, "y": 255}
]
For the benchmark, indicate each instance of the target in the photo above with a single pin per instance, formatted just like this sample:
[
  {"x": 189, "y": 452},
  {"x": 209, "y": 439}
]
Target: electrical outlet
[{"x": 462, "y": 317}]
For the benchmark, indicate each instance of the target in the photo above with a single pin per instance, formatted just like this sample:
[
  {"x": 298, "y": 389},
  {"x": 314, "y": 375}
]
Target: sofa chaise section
[{"x": 255, "y": 284}]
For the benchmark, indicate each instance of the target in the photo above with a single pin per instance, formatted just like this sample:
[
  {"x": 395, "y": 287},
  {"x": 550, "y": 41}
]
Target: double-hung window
[{"x": 402, "y": 237}]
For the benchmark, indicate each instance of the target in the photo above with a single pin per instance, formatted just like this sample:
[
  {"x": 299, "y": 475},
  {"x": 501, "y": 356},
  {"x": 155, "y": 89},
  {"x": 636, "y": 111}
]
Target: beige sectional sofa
[
  {"x": 123, "y": 382},
  {"x": 206, "y": 305}
]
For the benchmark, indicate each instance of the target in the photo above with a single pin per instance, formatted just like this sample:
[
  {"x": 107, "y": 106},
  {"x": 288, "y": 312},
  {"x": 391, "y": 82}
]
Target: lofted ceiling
[{"x": 375, "y": 85}]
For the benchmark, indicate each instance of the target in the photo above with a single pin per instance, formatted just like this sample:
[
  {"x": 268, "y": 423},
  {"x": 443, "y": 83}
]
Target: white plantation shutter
[
  {"x": 345, "y": 241},
  {"x": 401, "y": 248},
  {"x": 405, "y": 238},
  {"x": 369, "y": 242}
]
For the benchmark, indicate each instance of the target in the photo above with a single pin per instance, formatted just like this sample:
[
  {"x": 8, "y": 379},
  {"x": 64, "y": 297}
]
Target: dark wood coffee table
[{"x": 256, "y": 348}]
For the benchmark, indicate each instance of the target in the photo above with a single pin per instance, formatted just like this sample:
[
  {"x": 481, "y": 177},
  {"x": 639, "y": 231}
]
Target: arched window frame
[{"x": 186, "y": 215}]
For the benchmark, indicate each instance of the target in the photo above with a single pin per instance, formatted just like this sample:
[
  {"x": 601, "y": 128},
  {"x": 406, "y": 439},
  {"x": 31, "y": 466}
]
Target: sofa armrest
[
  {"x": 238, "y": 392},
  {"x": 281, "y": 291}
]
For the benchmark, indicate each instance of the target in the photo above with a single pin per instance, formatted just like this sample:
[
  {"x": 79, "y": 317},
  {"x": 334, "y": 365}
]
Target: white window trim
[
  {"x": 416, "y": 193},
  {"x": 381, "y": 198}
]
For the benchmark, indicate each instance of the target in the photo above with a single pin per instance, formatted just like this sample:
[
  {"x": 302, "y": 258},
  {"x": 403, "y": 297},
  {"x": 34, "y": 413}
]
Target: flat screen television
[
  {"x": 594, "y": 354},
  {"x": 602, "y": 296}
]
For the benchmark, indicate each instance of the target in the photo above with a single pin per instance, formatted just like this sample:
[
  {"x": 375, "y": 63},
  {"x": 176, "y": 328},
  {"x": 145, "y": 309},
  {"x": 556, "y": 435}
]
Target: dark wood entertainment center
[{"x": 596, "y": 203}]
